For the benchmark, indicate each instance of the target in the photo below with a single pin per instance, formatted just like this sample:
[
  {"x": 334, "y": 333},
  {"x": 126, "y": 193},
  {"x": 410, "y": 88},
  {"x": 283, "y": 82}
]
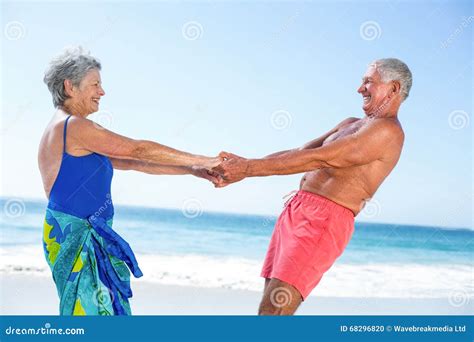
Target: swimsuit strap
[{"x": 64, "y": 134}]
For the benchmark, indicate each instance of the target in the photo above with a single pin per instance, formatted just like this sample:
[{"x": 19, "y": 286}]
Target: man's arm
[
  {"x": 316, "y": 142},
  {"x": 360, "y": 148},
  {"x": 278, "y": 153}
]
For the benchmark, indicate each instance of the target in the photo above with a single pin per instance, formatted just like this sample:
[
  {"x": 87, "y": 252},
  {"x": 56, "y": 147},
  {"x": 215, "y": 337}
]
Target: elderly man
[{"x": 344, "y": 168}]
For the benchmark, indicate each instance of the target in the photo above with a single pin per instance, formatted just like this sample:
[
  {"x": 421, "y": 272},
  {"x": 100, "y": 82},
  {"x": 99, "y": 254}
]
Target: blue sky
[{"x": 251, "y": 78}]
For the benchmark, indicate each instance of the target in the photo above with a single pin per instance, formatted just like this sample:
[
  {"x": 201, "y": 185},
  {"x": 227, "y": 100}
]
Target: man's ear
[
  {"x": 68, "y": 87},
  {"x": 396, "y": 86}
]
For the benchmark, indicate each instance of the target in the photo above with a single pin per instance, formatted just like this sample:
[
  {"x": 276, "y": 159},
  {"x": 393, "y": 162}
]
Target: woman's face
[{"x": 87, "y": 96}]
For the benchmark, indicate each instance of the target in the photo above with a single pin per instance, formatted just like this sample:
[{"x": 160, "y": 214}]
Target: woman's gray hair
[
  {"x": 73, "y": 64},
  {"x": 392, "y": 69}
]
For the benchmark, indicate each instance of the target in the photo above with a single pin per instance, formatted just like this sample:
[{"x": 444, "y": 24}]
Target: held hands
[
  {"x": 201, "y": 172},
  {"x": 204, "y": 169},
  {"x": 230, "y": 169}
]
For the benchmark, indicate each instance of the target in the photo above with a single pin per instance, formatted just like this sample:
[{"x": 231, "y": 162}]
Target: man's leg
[
  {"x": 279, "y": 298},
  {"x": 267, "y": 281}
]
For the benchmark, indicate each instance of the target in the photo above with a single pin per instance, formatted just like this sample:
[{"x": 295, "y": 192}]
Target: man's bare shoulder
[
  {"x": 387, "y": 124},
  {"x": 387, "y": 127},
  {"x": 348, "y": 121}
]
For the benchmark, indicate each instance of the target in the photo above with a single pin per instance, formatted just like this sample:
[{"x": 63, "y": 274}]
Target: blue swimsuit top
[{"x": 82, "y": 187}]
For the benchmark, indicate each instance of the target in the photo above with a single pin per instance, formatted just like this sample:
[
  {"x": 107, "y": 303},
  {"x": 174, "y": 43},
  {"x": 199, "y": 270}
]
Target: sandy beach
[{"x": 24, "y": 294}]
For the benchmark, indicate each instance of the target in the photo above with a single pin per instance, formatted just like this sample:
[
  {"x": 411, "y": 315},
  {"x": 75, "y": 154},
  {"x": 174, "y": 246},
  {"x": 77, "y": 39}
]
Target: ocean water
[{"x": 227, "y": 250}]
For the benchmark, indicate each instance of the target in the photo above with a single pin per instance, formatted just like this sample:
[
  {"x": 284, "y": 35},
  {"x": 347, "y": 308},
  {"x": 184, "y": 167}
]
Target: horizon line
[{"x": 35, "y": 199}]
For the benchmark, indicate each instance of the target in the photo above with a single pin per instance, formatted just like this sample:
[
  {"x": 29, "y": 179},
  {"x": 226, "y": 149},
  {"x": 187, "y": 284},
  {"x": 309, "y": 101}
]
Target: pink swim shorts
[{"x": 310, "y": 234}]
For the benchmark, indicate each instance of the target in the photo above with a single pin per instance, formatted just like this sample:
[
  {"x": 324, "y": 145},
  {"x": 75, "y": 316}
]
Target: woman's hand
[
  {"x": 201, "y": 172},
  {"x": 210, "y": 162}
]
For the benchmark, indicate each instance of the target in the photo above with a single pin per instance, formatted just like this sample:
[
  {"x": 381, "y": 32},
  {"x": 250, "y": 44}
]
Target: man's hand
[{"x": 232, "y": 169}]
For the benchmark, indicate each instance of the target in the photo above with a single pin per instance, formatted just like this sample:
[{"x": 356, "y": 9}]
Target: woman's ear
[{"x": 68, "y": 87}]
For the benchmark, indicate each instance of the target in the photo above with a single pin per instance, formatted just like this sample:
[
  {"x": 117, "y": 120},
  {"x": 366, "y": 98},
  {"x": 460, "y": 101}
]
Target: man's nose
[{"x": 361, "y": 89}]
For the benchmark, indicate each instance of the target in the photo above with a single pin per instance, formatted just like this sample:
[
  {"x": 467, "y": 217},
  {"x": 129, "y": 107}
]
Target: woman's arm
[
  {"x": 87, "y": 135},
  {"x": 150, "y": 168},
  {"x": 156, "y": 169}
]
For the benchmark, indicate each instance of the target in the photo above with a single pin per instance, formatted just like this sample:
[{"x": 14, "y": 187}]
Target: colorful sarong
[{"x": 89, "y": 264}]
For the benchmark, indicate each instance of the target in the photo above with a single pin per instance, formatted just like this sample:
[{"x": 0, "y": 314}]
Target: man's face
[
  {"x": 89, "y": 92},
  {"x": 374, "y": 91}
]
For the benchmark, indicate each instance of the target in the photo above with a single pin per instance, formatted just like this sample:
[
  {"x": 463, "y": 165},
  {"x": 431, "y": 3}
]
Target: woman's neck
[{"x": 73, "y": 109}]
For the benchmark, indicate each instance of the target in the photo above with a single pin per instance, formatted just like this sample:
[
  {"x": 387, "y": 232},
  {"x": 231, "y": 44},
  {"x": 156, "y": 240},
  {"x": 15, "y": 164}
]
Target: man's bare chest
[{"x": 345, "y": 131}]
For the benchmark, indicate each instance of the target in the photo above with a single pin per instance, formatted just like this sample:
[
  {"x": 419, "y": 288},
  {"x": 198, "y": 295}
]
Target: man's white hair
[{"x": 392, "y": 69}]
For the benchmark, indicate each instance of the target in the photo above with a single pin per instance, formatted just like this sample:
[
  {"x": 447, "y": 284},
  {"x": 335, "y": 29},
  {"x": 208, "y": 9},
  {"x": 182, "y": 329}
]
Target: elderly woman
[{"x": 88, "y": 259}]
